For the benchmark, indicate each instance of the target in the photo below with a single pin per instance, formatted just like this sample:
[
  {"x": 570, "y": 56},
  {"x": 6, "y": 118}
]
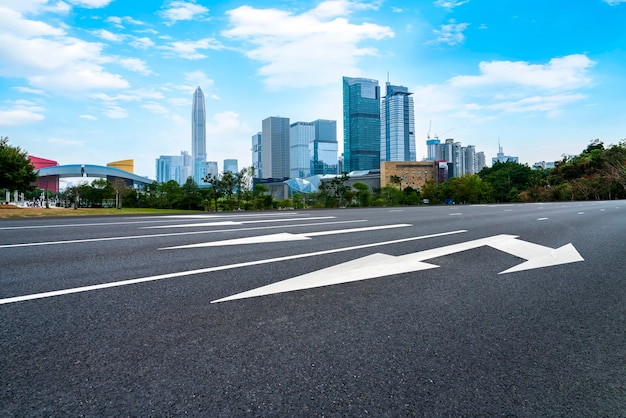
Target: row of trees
[{"x": 599, "y": 172}]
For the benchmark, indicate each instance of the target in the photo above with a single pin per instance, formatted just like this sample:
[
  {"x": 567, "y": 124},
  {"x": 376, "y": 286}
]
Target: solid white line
[
  {"x": 213, "y": 269},
  {"x": 224, "y": 223},
  {"x": 172, "y": 234},
  {"x": 155, "y": 219},
  {"x": 542, "y": 219}
]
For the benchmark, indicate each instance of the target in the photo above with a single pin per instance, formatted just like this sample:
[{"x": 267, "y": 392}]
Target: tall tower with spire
[{"x": 198, "y": 135}]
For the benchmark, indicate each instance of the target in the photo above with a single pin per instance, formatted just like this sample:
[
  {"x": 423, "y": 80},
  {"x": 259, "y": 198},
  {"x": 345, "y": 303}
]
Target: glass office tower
[
  {"x": 300, "y": 134},
  {"x": 397, "y": 125},
  {"x": 361, "y": 124},
  {"x": 323, "y": 149}
]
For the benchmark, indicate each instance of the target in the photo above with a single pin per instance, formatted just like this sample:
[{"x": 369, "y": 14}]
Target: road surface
[{"x": 487, "y": 310}]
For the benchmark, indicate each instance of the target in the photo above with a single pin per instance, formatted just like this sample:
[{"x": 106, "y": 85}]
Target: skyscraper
[
  {"x": 323, "y": 149},
  {"x": 198, "y": 135},
  {"x": 257, "y": 155},
  {"x": 361, "y": 124},
  {"x": 397, "y": 125},
  {"x": 300, "y": 134},
  {"x": 275, "y": 147}
]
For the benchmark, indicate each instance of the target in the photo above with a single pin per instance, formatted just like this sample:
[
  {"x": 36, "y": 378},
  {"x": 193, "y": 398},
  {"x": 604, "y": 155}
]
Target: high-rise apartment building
[
  {"x": 397, "y": 125},
  {"x": 323, "y": 149},
  {"x": 361, "y": 124},
  {"x": 300, "y": 134},
  {"x": 434, "y": 150},
  {"x": 275, "y": 145},
  {"x": 198, "y": 135}
]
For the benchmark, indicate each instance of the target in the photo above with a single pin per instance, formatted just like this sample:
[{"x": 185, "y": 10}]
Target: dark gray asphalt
[{"x": 458, "y": 340}]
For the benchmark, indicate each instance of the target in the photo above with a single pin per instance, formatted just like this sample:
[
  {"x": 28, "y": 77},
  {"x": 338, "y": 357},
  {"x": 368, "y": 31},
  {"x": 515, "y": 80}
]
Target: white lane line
[
  {"x": 542, "y": 219},
  {"x": 225, "y": 223},
  {"x": 172, "y": 234},
  {"x": 282, "y": 237},
  {"x": 455, "y": 214},
  {"x": 155, "y": 219},
  {"x": 213, "y": 269},
  {"x": 580, "y": 213}
]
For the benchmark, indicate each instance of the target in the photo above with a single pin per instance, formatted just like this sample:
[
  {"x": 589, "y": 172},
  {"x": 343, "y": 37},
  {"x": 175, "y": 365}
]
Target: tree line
[{"x": 598, "y": 173}]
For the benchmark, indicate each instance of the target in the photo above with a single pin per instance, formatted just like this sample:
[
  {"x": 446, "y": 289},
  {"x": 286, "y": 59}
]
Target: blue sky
[{"x": 95, "y": 81}]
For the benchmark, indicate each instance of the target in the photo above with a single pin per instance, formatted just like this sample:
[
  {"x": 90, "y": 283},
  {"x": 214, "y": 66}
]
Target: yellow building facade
[
  {"x": 412, "y": 173},
  {"x": 126, "y": 165}
]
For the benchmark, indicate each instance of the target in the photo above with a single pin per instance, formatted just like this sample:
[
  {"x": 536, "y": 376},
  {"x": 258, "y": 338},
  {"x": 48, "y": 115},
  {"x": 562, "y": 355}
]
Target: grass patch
[{"x": 10, "y": 211}]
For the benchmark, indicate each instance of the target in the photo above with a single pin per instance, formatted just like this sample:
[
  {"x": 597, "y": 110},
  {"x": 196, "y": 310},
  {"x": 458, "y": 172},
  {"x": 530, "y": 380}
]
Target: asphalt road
[{"x": 501, "y": 310}]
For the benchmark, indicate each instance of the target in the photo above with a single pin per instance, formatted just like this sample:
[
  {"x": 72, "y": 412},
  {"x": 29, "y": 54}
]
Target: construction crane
[
  {"x": 449, "y": 130},
  {"x": 429, "y": 125}
]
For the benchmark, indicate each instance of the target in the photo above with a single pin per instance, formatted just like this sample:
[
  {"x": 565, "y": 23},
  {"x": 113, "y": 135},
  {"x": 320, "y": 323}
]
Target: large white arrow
[
  {"x": 284, "y": 236},
  {"x": 380, "y": 265}
]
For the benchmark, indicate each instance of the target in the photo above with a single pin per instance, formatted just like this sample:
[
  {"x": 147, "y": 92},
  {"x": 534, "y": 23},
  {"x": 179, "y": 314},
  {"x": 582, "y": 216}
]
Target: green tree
[
  {"x": 192, "y": 198},
  {"x": 228, "y": 183},
  {"x": 508, "y": 179},
  {"x": 120, "y": 189},
  {"x": 16, "y": 170},
  {"x": 397, "y": 180},
  {"x": 214, "y": 191},
  {"x": 363, "y": 194}
]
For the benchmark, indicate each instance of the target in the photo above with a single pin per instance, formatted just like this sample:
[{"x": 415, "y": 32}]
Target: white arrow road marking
[
  {"x": 380, "y": 265},
  {"x": 216, "y": 268},
  {"x": 285, "y": 236}
]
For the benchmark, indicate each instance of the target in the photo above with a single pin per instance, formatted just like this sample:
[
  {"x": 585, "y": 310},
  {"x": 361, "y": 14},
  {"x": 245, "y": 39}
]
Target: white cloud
[
  {"x": 136, "y": 65},
  {"x": 226, "y": 130},
  {"x": 88, "y": 117},
  {"x": 450, "y": 4},
  {"x": 108, "y": 36},
  {"x": 506, "y": 87},
  {"x": 310, "y": 49},
  {"x": 614, "y": 2},
  {"x": 182, "y": 10},
  {"x": 156, "y": 108},
  {"x": 142, "y": 43},
  {"x": 11, "y": 22},
  {"x": 50, "y": 60},
  {"x": 115, "y": 112},
  {"x": 30, "y": 91},
  {"x": 450, "y": 33},
  {"x": 18, "y": 117},
  {"x": 190, "y": 49},
  {"x": 562, "y": 73},
  {"x": 119, "y": 21},
  {"x": 90, "y": 4}
]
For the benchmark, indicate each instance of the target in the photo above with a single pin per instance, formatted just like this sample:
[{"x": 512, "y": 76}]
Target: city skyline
[{"x": 94, "y": 81}]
